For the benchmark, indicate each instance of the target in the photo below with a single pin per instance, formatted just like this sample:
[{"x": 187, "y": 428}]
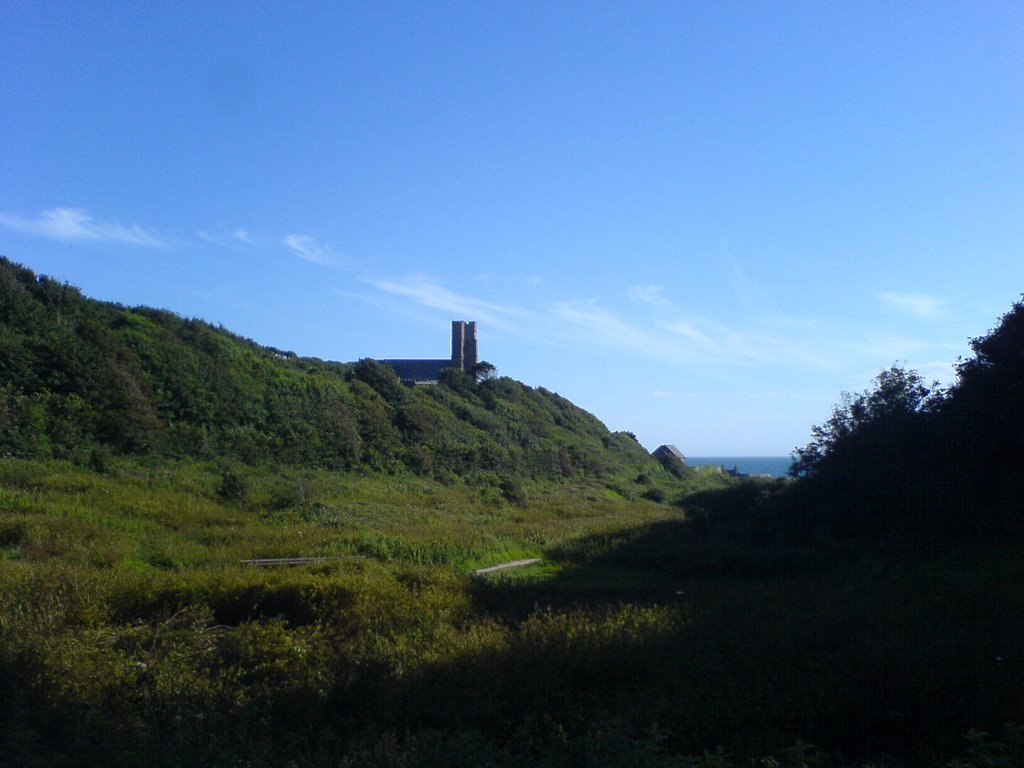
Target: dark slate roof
[
  {"x": 418, "y": 370},
  {"x": 667, "y": 450}
]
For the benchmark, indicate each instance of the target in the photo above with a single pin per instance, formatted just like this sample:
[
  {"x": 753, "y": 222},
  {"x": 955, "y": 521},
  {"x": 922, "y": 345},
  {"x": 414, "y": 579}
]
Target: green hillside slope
[{"x": 79, "y": 377}]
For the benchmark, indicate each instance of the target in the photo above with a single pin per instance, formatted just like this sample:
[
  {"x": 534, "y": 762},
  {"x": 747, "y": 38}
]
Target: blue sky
[{"x": 700, "y": 221}]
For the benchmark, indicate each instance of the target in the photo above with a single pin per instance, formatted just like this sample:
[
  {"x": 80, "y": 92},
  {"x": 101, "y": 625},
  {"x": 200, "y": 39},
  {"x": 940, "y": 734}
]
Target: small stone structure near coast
[
  {"x": 669, "y": 453},
  {"x": 464, "y": 357}
]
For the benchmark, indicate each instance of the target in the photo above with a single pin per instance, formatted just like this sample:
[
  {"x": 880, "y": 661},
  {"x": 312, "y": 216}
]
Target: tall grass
[{"x": 132, "y": 634}]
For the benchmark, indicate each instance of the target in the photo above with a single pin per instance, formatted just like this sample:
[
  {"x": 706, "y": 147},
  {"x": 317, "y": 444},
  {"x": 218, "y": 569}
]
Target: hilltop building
[
  {"x": 670, "y": 452},
  {"x": 464, "y": 357},
  {"x": 671, "y": 458}
]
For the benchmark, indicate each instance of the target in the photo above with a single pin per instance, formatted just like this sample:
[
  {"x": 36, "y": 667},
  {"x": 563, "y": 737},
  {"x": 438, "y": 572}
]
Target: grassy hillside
[{"x": 81, "y": 379}]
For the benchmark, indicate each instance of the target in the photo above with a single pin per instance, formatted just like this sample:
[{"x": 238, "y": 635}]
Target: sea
[{"x": 776, "y": 466}]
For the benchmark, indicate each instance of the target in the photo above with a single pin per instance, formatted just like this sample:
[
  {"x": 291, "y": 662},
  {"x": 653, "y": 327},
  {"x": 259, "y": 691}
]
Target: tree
[
  {"x": 458, "y": 380},
  {"x": 991, "y": 384},
  {"x": 984, "y": 418},
  {"x": 381, "y": 378},
  {"x": 483, "y": 371},
  {"x": 898, "y": 394}
]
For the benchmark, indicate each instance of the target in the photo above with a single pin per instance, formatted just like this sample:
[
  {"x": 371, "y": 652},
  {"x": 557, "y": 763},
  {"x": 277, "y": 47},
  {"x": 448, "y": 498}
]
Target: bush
[
  {"x": 654, "y": 494},
  {"x": 100, "y": 458},
  {"x": 232, "y": 486},
  {"x": 513, "y": 491}
]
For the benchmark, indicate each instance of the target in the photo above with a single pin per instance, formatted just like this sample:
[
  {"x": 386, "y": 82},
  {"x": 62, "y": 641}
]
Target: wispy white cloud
[
  {"x": 748, "y": 292},
  {"x": 680, "y": 341},
  {"x": 428, "y": 293},
  {"x": 606, "y": 329},
  {"x": 578, "y": 322},
  {"x": 648, "y": 294},
  {"x": 690, "y": 332},
  {"x": 889, "y": 348},
  {"x": 77, "y": 224},
  {"x": 722, "y": 344},
  {"x": 307, "y": 248},
  {"x": 916, "y": 304},
  {"x": 239, "y": 237}
]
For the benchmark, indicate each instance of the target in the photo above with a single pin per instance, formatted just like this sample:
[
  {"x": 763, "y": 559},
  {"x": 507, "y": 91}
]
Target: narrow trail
[
  {"x": 274, "y": 562},
  {"x": 506, "y": 566}
]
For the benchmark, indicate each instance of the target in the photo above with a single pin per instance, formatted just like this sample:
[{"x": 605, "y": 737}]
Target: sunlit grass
[{"x": 168, "y": 515}]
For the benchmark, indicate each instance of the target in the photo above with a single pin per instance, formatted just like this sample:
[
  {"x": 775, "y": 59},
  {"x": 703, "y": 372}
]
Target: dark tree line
[{"x": 905, "y": 455}]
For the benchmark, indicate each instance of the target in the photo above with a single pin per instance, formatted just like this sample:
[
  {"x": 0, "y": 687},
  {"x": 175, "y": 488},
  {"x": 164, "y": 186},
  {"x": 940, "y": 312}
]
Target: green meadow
[{"x": 133, "y": 634}]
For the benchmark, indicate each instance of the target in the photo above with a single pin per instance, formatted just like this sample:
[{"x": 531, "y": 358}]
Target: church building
[{"x": 464, "y": 357}]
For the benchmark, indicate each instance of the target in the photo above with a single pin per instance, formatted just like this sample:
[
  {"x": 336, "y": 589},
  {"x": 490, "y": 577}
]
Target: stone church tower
[
  {"x": 464, "y": 345},
  {"x": 464, "y": 357}
]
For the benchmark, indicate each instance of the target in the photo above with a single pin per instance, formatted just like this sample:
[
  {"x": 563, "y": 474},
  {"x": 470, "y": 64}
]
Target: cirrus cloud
[
  {"x": 648, "y": 294},
  {"x": 428, "y": 293},
  {"x": 307, "y": 248},
  {"x": 916, "y": 304},
  {"x": 235, "y": 239},
  {"x": 77, "y": 224}
]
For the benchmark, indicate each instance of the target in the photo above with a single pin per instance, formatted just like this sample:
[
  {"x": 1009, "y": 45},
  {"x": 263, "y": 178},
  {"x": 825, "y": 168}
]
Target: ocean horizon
[{"x": 776, "y": 466}]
